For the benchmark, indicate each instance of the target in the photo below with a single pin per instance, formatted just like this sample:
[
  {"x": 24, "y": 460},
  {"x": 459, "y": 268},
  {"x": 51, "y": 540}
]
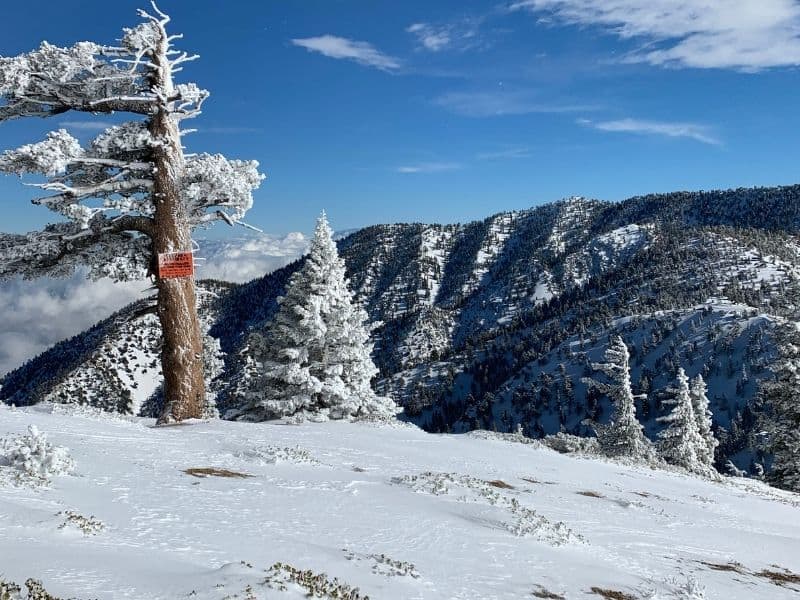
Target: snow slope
[{"x": 387, "y": 508}]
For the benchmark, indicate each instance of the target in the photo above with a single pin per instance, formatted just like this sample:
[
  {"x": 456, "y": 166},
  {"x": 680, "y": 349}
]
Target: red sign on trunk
[{"x": 175, "y": 264}]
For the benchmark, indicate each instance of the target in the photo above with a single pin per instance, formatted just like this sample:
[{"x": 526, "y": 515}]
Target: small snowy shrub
[
  {"x": 9, "y": 591},
  {"x": 87, "y": 525},
  {"x": 36, "y": 591},
  {"x": 688, "y": 589},
  {"x": 517, "y": 519},
  {"x": 385, "y": 565},
  {"x": 272, "y": 455},
  {"x": 734, "y": 471},
  {"x": 34, "y": 458},
  {"x": 283, "y": 577},
  {"x": 570, "y": 444}
]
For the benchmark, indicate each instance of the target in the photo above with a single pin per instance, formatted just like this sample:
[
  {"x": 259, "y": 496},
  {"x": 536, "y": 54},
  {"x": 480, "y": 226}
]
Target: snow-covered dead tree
[{"x": 130, "y": 195}]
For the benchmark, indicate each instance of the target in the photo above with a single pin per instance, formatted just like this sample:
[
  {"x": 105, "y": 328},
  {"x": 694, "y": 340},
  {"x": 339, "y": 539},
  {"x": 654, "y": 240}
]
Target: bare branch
[
  {"x": 140, "y": 224},
  {"x": 151, "y": 309},
  {"x": 104, "y": 103},
  {"x": 63, "y": 247},
  {"x": 184, "y": 57},
  {"x": 165, "y": 18}
]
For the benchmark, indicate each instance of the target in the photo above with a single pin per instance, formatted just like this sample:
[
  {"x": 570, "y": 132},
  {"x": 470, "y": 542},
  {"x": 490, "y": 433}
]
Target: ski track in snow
[{"x": 329, "y": 497}]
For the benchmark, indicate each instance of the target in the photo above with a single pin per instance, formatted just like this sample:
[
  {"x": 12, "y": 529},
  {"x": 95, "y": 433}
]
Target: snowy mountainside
[
  {"x": 377, "y": 507},
  {"x": 114, "y": 366},
  {"x": 492, "y": 324},
  {"x": 36, "y": 314}
]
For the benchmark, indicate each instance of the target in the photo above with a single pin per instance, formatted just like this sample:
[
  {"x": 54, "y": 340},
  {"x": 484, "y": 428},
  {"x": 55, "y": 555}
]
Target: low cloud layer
[
  {"x": 245, "y": 258},
  {"x": 34, "y": 315}
]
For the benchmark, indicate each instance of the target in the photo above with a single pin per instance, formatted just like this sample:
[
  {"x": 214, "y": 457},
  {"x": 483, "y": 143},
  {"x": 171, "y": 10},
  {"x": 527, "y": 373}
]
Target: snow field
[{"x": 388, "y": 509}]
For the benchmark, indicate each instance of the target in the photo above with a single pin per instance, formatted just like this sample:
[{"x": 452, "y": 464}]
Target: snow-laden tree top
[
  {"x": 105, "y": 189},
  {"x": 94, "y": 78}
]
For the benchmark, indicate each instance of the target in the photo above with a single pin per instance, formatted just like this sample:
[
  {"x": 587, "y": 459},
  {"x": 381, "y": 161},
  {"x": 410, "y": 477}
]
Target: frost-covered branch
[
  {"x": 49, "y": 157},
  {"x": 109, "y": 247},
  {"x": 213, "y": 183},
  {"x": 112, "y": 185},
  {"x": 89, "y": 77},
  {"x": 78, "y": 174}
]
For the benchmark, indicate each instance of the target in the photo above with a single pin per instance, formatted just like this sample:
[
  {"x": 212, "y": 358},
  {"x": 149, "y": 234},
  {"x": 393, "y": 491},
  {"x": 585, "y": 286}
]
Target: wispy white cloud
[
  {"x": 508, "y": 154},
  {"x": 730, "y": 34},
  {"x": 694, "y": 131},
  {"x": 363, "y": 53},
  {"x": 430, "y": 37},
  {"x": 86, "y": 125},
  {"x": 460, "y": 35},
  {"x": 429, "y": 167},
  {"x": 503, "y": 103}
]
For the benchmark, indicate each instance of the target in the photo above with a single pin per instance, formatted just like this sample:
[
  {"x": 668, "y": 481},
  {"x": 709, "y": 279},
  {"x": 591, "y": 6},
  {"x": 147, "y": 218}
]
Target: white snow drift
[{"x": 390, "y": 510}]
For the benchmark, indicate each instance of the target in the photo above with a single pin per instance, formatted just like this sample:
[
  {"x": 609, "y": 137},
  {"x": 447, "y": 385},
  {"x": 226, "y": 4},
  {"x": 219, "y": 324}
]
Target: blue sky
[{"x": 390, "y": 111}]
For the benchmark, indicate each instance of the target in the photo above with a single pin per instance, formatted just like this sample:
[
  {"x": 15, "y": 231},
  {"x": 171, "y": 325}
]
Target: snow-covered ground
[{"x": 391, "y": 510}]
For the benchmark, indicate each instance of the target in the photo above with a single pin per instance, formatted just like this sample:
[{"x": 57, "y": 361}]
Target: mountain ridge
[{"x": 482, "y": 324}]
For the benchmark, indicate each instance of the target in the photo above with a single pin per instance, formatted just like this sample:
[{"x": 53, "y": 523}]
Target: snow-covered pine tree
[
  {"x": 129, "y": 195},
  {"x": 314, "y": 356},
  {"x": 781, "y": 397},
  {"x": 680, "y": 442},
  {"x": 213, "y": 366},
  {"x": 703, "y": 416},
  {"x": 623, "y": 435}
]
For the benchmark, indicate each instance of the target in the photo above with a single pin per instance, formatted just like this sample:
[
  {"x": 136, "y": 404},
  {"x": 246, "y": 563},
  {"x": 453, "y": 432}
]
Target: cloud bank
[
  {"x": 244, "y": 258},
  {"x": 36, "y": 314}
]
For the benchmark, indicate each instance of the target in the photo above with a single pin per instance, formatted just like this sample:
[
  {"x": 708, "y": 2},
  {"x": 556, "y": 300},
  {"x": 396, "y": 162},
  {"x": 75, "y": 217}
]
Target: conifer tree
[
  {"x": 680, "y": 442},
  {"x": 314, "y": 358},
  {"x": 623, "y": 435},
  {"x": 703, "y": 416},
  {"x": 782, "y": 421},
  {"x": 130, "y": 197}
]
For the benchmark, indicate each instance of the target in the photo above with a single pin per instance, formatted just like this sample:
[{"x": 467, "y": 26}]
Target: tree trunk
[{"x": 182, "y": 350}]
